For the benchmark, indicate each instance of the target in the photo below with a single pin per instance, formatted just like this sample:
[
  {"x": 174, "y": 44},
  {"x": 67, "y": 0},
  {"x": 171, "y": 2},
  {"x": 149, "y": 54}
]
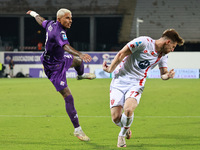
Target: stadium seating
[{"x": 158, "y": 15}]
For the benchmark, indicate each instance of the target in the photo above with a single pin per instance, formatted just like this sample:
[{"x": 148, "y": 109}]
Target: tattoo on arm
[
  {"x": 39, "y": 19},
  {"x": 71, "y": 50}
]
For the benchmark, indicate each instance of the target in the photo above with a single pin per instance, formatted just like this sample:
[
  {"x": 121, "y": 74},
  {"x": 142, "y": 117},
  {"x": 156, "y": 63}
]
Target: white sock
[
  {"x": 126, "y": 121},
  {"x": 78, "y": 129}
]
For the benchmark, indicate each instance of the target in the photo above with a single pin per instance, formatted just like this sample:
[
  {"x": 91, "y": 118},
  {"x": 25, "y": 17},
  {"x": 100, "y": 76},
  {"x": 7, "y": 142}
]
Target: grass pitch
[{"x": 33, "y": 117}]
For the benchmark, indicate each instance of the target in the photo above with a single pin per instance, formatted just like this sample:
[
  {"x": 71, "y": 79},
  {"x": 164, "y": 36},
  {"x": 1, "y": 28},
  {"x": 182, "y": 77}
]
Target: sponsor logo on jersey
[{"x": 144, "y": 64}]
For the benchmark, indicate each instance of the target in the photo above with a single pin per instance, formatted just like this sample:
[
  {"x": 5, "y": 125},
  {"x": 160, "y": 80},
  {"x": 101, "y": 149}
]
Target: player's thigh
[
  {"x": 135, "y": 93},
  {"x": 116, "y": 98},
  {"x": 76, "y": 61},
  {"x": 129, "y": 106},
  {"x": 116, "y": 103},
  {"x": 116, "y": 113}
]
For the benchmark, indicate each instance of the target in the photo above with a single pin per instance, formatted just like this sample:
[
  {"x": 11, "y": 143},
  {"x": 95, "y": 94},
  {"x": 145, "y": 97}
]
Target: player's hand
[
  {"x": 28, "y": 12},
  {"x": 85, "y": 57},
  {"x": 105, "y": 67},
  {"x": 171, "y": 73}
]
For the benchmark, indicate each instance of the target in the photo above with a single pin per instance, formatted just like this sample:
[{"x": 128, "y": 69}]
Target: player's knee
[
  {"x": 77, "y": 61},
  {"x": 65, "y": 92},
  {"x": 130, "y": 108},
  {"x": 116, "y": 117},
  {"x": 116, "y": 120},
  {"x": 128, "y": 111}
]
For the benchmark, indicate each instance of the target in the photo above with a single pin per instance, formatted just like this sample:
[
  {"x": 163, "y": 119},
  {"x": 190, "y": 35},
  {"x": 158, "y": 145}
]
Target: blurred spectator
[
  {"x": 2, "y": 68},
  {"x": 11, "y": 67},
  {"x": 40, "y": 46}
]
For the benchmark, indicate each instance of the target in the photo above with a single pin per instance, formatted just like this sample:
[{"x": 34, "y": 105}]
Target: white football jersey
[{"x": 134, "y": 67}]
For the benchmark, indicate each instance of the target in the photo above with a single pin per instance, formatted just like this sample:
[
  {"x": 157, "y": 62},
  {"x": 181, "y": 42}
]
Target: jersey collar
[{"x": 60, "y": 25}]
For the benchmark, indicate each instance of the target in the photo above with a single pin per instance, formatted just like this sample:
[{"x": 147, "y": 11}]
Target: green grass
[{"x": 33, "y": 117}]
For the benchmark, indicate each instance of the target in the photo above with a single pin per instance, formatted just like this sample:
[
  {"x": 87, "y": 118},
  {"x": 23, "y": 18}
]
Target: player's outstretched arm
[
  {"x": 125, "y": 51},
  {"x": 165, "y": 75},
  {"x": 37, "y": 17},
  {"x": 85, "y": 57}
]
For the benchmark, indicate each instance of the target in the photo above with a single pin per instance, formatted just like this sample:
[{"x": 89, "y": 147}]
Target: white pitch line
[{"x": 46, "y": 116}]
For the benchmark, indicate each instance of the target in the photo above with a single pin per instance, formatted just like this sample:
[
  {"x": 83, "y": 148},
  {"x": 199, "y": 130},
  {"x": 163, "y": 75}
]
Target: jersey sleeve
[
  {"x": 45, "y": 23},
  {"x": 62, "y": 39},
  {"x": 137, "y": 44},
  {"x": 163, "y": 62}
]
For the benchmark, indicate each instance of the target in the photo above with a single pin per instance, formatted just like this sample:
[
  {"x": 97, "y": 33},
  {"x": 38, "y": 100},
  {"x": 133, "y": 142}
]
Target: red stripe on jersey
[{"x": 145, "y": 74}]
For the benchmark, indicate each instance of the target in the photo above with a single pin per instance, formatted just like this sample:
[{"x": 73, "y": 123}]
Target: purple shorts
[{"x": 56, "y": 72}]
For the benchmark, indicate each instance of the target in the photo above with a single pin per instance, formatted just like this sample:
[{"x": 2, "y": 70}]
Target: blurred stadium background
[
  {"x": 32, "y": 115},
  {"x": 100, "y": 26}
]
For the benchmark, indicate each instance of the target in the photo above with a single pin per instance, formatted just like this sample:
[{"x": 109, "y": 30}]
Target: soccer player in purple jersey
[{"x": 56, "y": 63}]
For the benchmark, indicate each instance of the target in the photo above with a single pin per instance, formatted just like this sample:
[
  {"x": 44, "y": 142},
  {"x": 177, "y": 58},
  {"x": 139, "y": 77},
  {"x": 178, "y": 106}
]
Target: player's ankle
[{"x": 78, "y": 129}]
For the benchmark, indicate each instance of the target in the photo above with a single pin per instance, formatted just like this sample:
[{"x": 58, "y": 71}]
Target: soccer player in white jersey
[{"x": 130, "y": 67}]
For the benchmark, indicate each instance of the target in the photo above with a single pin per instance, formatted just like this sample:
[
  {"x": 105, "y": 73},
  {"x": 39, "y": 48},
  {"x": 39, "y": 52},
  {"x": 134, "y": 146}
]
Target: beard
[{"x": 164, "y": 49}]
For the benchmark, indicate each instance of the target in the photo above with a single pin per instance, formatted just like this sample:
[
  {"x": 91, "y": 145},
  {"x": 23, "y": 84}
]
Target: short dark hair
[{"x": 174, "y": 36}]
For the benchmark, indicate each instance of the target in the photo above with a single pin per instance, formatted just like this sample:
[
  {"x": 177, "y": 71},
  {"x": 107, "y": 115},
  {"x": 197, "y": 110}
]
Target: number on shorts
[{"x": 136, "y": 93}]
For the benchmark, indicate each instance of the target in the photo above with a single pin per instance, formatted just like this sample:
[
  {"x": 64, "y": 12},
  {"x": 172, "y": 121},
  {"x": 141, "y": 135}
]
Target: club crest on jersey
[
  {"x": 144, "y": 64},
  {"x": 112, "y": 101},
  {"x": 62, "y": 83},
  {"x": 50, "y": 28}
]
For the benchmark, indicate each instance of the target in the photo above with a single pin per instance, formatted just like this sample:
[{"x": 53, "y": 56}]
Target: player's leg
[
  {"x": 79, "y": 67},
  {"x": 116, "y": 113},
  {"x": 124, "y": 120},
  {"x": 127, "y": 117},
  {"x": 116, "y": 105},
  {"x": 69, "y": 105},
  {"x": 70, "y": 108},
  {"x": 132, "y": 100}
]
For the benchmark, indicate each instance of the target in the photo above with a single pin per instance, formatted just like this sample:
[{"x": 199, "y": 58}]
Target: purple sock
[
  {"x": 69, "y": 105},
  {"x": 80, "y": 69}
]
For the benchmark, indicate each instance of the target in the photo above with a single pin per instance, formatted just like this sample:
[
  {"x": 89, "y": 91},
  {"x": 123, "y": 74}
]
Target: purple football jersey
[
  {"x": 53, "y": 59},
  {"x": 55, "y": 39}
]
